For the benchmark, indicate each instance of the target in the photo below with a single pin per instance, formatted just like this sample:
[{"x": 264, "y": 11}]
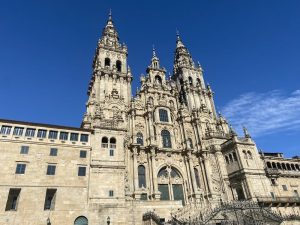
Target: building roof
[{"x": 43, "y": 125}]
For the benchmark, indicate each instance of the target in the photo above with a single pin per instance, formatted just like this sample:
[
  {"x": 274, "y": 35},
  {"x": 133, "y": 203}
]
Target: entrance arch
[
  {"x": 170, "y": 184},
  {"x": 81, "y": 220}
]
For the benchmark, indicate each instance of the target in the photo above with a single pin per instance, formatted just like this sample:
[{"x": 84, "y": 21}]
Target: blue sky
[{"x": 249, "y": 51}]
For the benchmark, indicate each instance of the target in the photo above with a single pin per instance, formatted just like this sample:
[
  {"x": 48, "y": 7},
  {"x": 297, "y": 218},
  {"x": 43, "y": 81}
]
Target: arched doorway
[
  {"x": 170, "y": 184},
  {"x": 81, "y": 220}
]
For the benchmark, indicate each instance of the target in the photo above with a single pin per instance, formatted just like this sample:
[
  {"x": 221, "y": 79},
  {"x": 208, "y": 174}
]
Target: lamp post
[{"x": 108, "y": 220}]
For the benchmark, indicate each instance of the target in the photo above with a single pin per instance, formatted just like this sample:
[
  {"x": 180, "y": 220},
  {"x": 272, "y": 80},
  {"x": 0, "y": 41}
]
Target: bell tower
[{"x": 109, "y": 89}]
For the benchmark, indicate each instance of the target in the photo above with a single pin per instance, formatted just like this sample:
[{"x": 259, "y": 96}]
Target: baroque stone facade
[{"x": 166, "y": 150}]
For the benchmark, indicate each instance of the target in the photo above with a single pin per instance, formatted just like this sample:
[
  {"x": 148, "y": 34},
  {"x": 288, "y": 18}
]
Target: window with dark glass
[
  {"x": 53, "y": 151},
  {"x": 51, "y": 169},
  {"x": 141, "y": 176},
  {"x": 166, "y": 139},
  {"x": 113, "y": 142},
  {"x": 119, "y": 65},
  {"x": 163, "y": 115},
  {"x": 190, "y": 81},
  {"x": 84, "y": 138},
  {"x": 74, "y": 137},
  {"x": 111, "y": 152},
  {"x": 5, "y": 130},
  {"x": 284, "y": 187},
  {"x": 24, "y": 149},
  {"x": 107, "y": 62},
  {"x": 20, "y": 169},
  {"x": 63, "y": 135},
  {"x": 52, "y": 134},
  {"x": 139, "y": 139},
  {"x": 12, "y": 199},
  {"x": 111, "y": 193},
  {"x": 18, "y": 131},
  {"x": 41, "y": 133},
  {"x": 30, "y": 132},
  {"x": 50, "y": 199},
  {"x": 82, "y": 154},
  {"x": 81, "y": 171},
  {"x": 104, "y": 142}
]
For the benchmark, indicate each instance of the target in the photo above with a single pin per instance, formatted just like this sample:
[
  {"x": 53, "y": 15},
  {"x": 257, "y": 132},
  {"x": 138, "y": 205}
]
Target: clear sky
[{"x": 249, "y": 50}]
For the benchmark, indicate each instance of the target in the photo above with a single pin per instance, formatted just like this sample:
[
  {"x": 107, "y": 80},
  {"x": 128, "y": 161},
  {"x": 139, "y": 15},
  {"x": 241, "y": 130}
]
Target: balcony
[
  {"x": 292, "y": 200},
  {"x": 216, "y": 134}
]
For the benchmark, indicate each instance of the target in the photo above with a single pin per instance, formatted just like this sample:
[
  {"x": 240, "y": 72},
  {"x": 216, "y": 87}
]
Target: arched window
[
  {"x": 163, "y": 115},
  {"x": 189, "y": 143},
  {"x": 226, "y": 159},
  {"x": 139, "y": 138},
  {"x": 104, "y": 142},
  {"x": 198, "y": 82},
  {"x": 297, "y": 167},
  {"x": 283, "y": 166},
  {"x": 269, "y": 165},
  {"x": 197, "y": 177},
  {"x": 273, "y": 165},
  {"x": 230, "y": 158},
  {"x": 170, "y": 184},
  {"x": 293, "y": 167},
  {"x": 288, "y": 166},
  {"x": 157, "y": 79},
  {"x": 113, "y": 142},
  {"x": 191, "y": 81},
  {"x": 249, "y": 155},
  {"x": 141, "y": 176},
  {"x": 81, "y": 220},
  {"x": 107, "y": 62},
  {"x": 245, "y": 155},
  {"x": 234, "y": 156},
  {"x": 279, "y": 166},
  {"x": 119, "y": 65},
  {"x": 166, "y": 139}
]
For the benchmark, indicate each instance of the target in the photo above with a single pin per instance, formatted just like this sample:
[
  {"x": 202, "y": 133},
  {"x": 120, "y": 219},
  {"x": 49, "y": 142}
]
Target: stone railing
[{"x": 287, "y": 199}]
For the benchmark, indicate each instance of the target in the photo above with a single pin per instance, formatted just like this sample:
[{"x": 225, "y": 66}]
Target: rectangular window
[
  {"x": 111, "y": 152},
  {"x": 51, "y": 169},
  {"x": 53, "y": 151},
  {"x": 111, "y": 193},
  {"x": 29, "y": 132},
  {"x": 272, "y": 195},
  {"x": 12, "y": 199},
  {"x": 63, "y": 136},
  {"x": 81, "y": 171},
  {"x": 18, "y": 131},
  {"x": 50, "y": 199},
  {"x": 163, "y": 115},
  {"x": 284, "y": 187},
  {"x": 52, "y": 134},
  {"x": 82, "y": 154},
  {"x": 74, "y": 137},
  {"x": 24, "y": 149},
  {"x": 20, "y": 169},
  {"x": 84, "y": 138},
  {"x": 5, "y": 130},
  {"x": 41, "y": 133}
]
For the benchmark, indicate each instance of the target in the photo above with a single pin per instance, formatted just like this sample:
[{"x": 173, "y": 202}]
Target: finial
[
  {"x": 246, "y": 132},
  {"x": 153, "y": 51},
  {"x": 220, "y": 114},
  {"x": 110, "y": 14},
  {"x": 232, "y": 131},
  {"x": 177, "y": 34}
]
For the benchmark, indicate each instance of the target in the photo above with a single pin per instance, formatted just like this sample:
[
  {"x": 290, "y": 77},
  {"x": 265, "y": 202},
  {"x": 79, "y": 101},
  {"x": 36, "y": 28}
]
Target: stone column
[
  {"x": 191, "y": 165},
  {"x": 135, "y": 169},
  {"x": 156, "y": 193},
  {"x": 207, "y": 171}
]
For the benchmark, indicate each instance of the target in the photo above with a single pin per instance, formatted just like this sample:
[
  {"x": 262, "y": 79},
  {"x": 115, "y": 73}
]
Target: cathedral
[{"x": 164, "y": 156}]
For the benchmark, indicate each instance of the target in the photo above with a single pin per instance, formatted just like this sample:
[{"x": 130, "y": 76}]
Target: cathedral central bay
[{"x": 163, "y": 155}]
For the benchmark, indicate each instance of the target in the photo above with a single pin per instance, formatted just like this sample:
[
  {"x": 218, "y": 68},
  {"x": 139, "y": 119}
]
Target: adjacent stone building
[{"x": 164, "y": 155}]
